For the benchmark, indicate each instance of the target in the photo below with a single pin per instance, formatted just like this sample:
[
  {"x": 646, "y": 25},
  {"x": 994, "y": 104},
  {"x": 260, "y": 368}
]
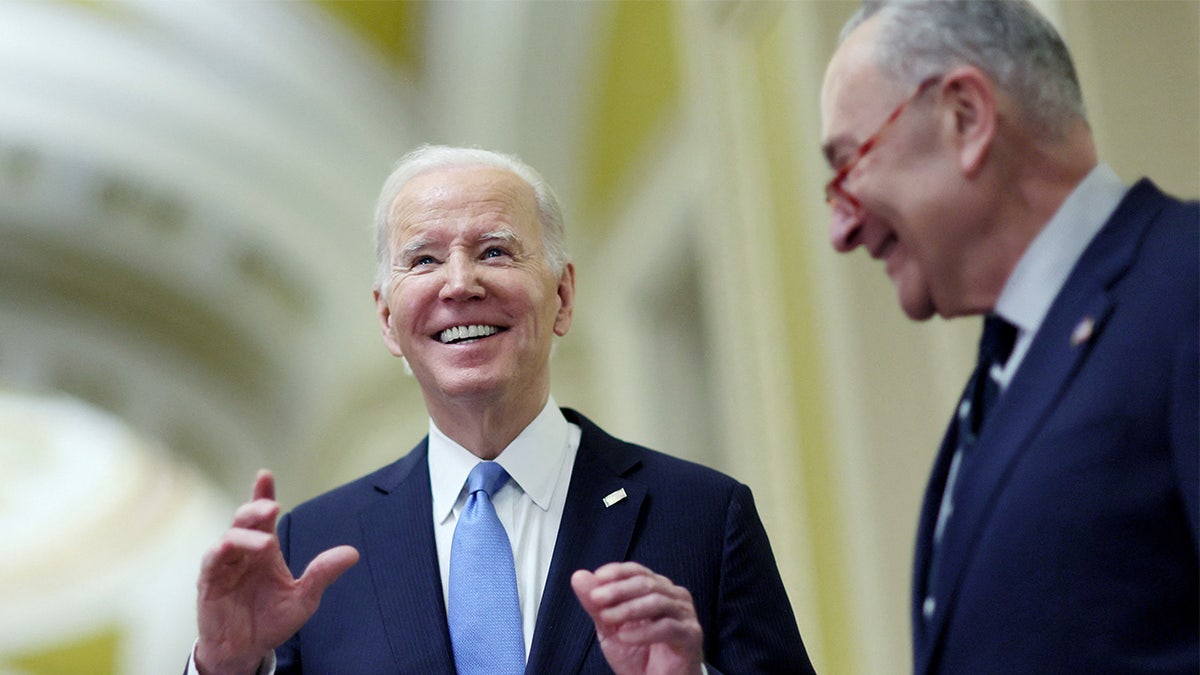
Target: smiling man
[
  {"x": 474, "y": 553},
  {"x": 1061, "y": 525}
]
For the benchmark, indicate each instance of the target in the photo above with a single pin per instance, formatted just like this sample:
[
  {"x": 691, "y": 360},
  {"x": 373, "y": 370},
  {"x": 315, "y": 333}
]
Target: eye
[
  {"x": 494, "y": 252},
  {"x": 422, "y": 260}
]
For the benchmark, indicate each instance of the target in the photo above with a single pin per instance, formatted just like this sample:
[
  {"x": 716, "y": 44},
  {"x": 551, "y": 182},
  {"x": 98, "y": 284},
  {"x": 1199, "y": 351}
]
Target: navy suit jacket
[
  {"x": 692, "y": 524},
  {"x": 1073, "y": 545}
]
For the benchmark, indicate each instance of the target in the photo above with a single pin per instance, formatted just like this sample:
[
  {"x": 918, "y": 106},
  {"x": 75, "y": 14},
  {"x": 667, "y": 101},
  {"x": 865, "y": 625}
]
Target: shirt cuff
[{"x": 267, "y": 667}]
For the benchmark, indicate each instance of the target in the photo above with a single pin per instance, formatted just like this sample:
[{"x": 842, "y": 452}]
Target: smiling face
[
  {"x": 470, "y": 300},
  {"x": 903, "y": 187}
]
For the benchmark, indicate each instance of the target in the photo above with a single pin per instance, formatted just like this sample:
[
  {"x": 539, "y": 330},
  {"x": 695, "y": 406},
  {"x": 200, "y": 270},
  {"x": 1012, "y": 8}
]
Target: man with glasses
[{"x": 1060, "y": 528}]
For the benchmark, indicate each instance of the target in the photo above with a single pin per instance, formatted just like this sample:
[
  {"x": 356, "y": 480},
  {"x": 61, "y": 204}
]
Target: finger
[
  {"x": 685, "y": 634},
  {"x": 264, "y": 486},
  {"x": 583, "y": 583},
  {"x": 615, "y": 571},
  {"x": 237, "y": 543},
  {"x": 257, "y": 515},
  {"x": 234, "y": 555},
  {"x": 639, "y": 585},
  {"x": 324, "y": 570},
  {"x": 650, "y": 607}
]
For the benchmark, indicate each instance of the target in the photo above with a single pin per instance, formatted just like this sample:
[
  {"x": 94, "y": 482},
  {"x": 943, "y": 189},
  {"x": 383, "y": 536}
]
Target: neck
[
  {"x": 1050, "y": 172},
  {"x": 1030, "y": 187},
  {"x": 485, "y": 428}
]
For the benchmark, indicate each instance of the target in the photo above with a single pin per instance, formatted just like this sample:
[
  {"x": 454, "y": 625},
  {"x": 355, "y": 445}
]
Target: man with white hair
[{"x": 517, "y": 536}]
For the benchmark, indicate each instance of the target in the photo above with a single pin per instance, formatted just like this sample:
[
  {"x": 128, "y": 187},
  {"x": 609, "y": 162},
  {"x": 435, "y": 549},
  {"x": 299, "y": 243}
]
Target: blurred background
[{"x": 186, "y": 190}]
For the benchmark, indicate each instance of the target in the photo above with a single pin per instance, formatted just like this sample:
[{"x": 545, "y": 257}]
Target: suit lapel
[
  {"x": 402, "y": 555},
  {"x": 590, "y": 534},
  {"x": 1060, "y": 348}
]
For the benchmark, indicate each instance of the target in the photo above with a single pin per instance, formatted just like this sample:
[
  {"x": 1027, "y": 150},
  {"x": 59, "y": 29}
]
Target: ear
[
  {"x": 566, "y": 300},
  {"x": 387, "y": 323},
  {"x": 971, "y": 98}
]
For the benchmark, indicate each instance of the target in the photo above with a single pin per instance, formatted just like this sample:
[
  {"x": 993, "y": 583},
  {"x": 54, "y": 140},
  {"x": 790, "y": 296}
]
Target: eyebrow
[
  {"x": 496, "y": 235},
  {"x": 415, "y": 245},
  {"x": 501, "y": 235}
]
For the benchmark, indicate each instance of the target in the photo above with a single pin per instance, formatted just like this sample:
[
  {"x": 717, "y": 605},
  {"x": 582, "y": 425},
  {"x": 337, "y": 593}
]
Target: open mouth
[{"x": 462, "y": 334}]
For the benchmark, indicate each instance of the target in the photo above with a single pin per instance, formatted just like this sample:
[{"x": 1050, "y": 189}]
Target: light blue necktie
[{"x": 484, "y": 614}]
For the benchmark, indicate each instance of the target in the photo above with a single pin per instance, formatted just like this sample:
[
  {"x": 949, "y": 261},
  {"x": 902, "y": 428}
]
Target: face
[
  {"x": 895, "y": 207},
  {"x": 470, "y": 300}
]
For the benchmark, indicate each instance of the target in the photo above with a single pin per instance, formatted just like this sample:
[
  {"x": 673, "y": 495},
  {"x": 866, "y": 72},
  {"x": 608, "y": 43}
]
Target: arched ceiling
[{"x": 186, "y": 189}]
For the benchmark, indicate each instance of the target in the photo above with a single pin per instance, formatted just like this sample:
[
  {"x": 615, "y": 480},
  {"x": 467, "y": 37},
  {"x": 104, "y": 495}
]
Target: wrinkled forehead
[
  {"x": 462, "y": 196},
  {"x": 856, "y": 96}
]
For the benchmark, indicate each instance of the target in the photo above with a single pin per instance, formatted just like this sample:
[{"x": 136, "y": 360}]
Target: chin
[
  {"x": 916, "y": 306},
  {"x": 916, "y": 300}
]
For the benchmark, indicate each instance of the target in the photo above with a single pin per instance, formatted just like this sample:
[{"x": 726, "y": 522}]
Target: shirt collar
[
  {"x": 532, "y": 460},
  {"x": 1045, "y": 265}
]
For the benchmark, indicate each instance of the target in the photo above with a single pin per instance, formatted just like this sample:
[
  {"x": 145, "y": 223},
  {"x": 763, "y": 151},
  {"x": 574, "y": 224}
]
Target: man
[
  {"x": 474, "y": 284},
  {"x": 1058, "y": 534}
]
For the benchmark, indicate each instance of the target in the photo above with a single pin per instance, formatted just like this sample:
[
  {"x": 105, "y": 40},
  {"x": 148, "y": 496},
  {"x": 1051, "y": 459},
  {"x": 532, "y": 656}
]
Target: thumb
[{"x": 325, "y": 569}]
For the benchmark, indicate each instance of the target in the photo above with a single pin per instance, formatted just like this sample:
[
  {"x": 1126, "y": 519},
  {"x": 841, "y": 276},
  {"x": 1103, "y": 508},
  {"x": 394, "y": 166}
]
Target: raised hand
[
  {"x": 646, "y": 624},
  {"x": 249, "y": 603}
]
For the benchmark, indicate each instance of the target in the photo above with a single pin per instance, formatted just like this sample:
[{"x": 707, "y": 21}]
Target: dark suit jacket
[
  {"x": 1073, "y": 545},
  {"x": 694, "y": 525}
]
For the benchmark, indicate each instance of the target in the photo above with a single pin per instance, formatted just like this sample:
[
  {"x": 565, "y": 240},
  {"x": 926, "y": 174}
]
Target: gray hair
[
  {"x": 427, "y": 158},
  {"x": 1009, "y": 40}
]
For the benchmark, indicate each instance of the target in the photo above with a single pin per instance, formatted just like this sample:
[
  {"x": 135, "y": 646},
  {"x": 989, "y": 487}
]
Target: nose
[
  {"x": 461, "y": 280},
  {"x": 845, "y": 226}
]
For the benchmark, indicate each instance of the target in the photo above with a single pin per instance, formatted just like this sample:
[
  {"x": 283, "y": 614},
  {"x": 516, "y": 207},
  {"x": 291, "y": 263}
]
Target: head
[
  {"x": 474, "y": 280},
  {"x": 428, "y": 157},
  {"x": 927, "y": 109}
]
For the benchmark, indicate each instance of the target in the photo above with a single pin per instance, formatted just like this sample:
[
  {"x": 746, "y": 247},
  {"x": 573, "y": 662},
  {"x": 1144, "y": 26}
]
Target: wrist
[{"x": 210, "y": 662}]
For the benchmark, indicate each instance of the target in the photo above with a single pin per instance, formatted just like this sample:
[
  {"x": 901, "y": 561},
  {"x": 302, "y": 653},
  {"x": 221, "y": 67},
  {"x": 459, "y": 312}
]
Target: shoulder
[
  {"x": 1164, "y": 271},
  {"x": 1172, "y": 225}
]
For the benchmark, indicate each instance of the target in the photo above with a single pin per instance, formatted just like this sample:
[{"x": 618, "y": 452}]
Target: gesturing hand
[
  {"x": 646, "y": 624},
  {"x": 249, "y": 603}
]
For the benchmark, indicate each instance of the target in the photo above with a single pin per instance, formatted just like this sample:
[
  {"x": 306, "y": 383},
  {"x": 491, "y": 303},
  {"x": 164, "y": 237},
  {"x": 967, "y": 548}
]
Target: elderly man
[
  {"x": 1060, "y": 529},
  {"x": 473, "y": 551}
]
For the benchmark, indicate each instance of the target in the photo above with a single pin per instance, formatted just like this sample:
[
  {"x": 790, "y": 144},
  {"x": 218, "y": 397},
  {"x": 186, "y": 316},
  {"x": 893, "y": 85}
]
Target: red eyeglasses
[{"x": 836, "y": 195}]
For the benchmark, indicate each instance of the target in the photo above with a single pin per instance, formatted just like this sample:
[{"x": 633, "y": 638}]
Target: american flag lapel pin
[
  {"x": 1083, "y": 331},
  {"x": 614, "y": 497}
]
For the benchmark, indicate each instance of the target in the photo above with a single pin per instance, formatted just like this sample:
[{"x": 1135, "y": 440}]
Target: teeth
[{"x": 459, "y": 333}]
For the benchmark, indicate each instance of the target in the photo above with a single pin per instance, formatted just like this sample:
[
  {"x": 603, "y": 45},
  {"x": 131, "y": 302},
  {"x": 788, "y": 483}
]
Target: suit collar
[{"x": 1059, "y": 349}]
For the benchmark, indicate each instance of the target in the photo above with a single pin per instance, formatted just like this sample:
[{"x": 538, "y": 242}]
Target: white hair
[
  {"x": 430, "y": 157},
  {"x": 1009, "y": 40}
]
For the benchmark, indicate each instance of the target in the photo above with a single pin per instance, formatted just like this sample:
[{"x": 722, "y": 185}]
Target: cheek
[{"x": 407, "y": 303}]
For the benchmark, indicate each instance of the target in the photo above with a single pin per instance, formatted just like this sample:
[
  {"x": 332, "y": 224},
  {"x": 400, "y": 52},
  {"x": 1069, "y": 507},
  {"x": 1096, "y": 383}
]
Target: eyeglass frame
[{"x": 834, "y": 192}]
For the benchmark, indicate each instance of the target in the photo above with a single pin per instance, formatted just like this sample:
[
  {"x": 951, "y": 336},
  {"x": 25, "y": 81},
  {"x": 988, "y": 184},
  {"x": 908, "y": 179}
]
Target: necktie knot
[
  {"x": 486, "y": 476},
  {"x": 996, "y": 342}
]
